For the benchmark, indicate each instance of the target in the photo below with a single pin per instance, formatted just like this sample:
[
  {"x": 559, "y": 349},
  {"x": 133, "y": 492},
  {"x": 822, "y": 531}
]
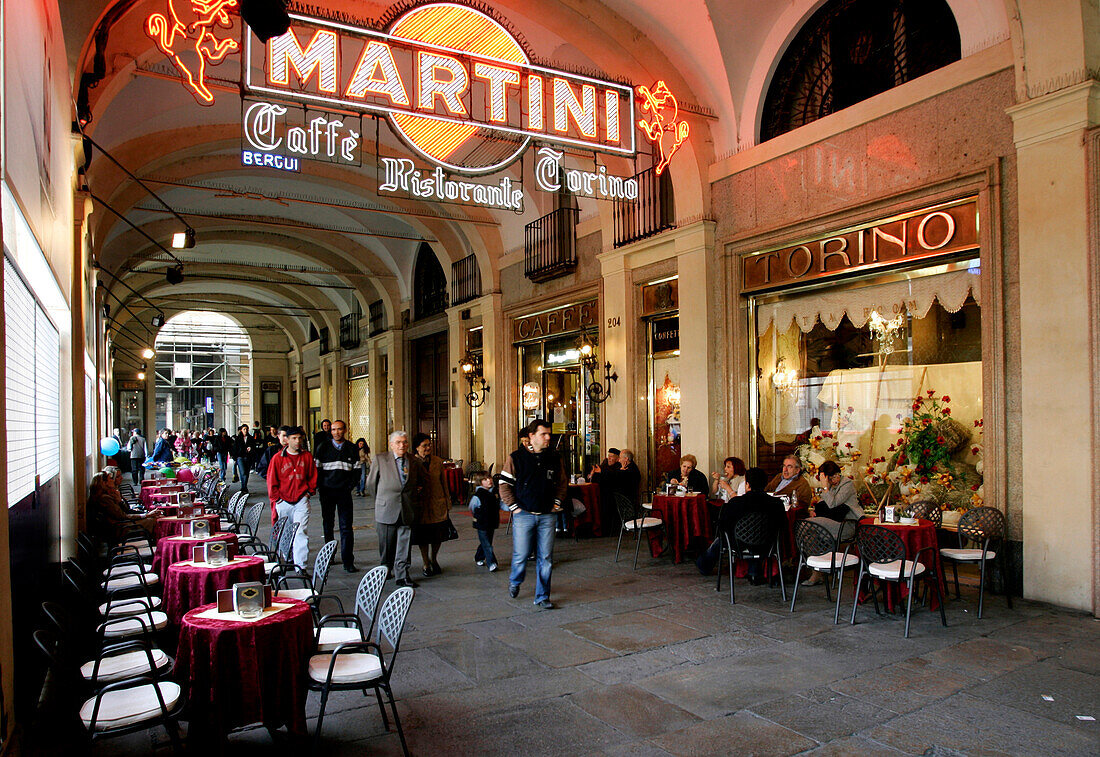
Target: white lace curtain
[{"x": 914, "y": 296}]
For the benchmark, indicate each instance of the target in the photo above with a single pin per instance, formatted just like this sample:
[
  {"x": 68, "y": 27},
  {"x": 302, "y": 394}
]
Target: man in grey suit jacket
[{"x": 396, "y": 481}]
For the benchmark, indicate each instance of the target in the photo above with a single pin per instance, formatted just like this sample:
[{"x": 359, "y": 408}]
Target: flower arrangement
[{"x": 826, "y": 445}]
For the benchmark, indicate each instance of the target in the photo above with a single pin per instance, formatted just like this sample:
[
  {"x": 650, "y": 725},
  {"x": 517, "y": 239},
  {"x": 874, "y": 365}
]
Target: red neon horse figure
[
  {"x": 199, "y": 19},
  {"x": 664, "y": 130}
]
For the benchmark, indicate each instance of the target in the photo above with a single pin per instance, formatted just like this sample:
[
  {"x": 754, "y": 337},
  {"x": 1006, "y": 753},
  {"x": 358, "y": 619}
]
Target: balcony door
[{"x": 430, "y": 382}]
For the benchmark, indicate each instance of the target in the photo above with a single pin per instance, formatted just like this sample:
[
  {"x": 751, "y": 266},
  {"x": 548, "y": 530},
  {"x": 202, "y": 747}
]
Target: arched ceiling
[{"x": 313, "y": 242}]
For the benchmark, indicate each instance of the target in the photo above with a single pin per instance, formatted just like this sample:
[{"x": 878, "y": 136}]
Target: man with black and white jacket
[{"x": 337, "y": 474}]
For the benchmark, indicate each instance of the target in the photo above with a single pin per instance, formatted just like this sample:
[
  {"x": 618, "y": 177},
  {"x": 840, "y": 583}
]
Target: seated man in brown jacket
[{"x": 792, "y": 483}]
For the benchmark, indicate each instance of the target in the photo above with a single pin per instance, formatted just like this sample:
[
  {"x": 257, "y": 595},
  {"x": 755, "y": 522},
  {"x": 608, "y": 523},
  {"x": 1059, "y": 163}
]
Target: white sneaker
[
  {"x": 479, "y": 562},
  {"x": 492, "y": 568}
]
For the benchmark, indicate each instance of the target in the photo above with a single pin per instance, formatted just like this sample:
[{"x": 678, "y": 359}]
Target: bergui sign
[{"x": 453, "y": 82}]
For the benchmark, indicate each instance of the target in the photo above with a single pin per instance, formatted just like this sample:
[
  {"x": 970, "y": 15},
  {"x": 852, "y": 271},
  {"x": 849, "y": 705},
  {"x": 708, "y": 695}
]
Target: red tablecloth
[
  {"x": 170, "y": 526},
  {"x": 456, "y": 483},
  {"x": 187, "y": 586},
  {"x": 237, "y": 673},
  {"x": 147, "y": 493},
  {"x": 915, "y": 538},
  {"x": 685, "y": 518},
  {"x": 173, "y": 549},
  {"x": 589, "y": 495}
]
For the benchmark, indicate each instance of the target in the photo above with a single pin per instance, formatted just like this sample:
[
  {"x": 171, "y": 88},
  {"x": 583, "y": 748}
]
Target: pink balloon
[{"x": 185, "y": 475}]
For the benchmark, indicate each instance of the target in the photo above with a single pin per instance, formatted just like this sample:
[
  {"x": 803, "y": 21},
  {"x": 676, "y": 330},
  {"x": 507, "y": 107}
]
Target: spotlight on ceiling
[
  {"x": 141, "y": 375},
  {"x": 266, "y": 18},
  {"x": 148, "y": 353},
  {"x": 158, "y": 320},
  {"x": 174, "y": 275},
  {"x": 183, "y": 240}
]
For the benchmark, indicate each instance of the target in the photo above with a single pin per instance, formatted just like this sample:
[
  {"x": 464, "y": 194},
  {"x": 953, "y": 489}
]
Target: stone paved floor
[{"x": 655, "y": 662}]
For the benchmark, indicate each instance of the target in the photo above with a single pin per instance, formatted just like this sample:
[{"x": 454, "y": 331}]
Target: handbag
[{"x": 452, "y": 533}]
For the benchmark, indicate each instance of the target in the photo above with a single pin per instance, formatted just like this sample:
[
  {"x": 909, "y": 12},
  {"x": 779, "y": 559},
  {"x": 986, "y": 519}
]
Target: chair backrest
[
  {"x": 277, "y": 532},
  {"x": 847, "y": 532},
  {"x": 813, "y": 538},
  {"x": 879, "y": 545},
  {"x": 321, "y": 565},
  {"x": 625, "y": 507},
  {"x": 928, "y": 511},
  {"x": 391, "y": 621},
  {"x": 982, "y": 524},
  {"x": 252, "y": 518},
  {"x": 286, "y": 541},
  {"x": 367, "y": 596},
  {"x": 751, "y": 531},
  {"x": 236, "y": 506}
]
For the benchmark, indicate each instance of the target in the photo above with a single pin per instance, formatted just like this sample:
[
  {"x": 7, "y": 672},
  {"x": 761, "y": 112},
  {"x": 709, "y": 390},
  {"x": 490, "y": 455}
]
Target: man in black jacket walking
[
  {"x": 533, "y": 486},
  {"x": 337, "y": 473}
]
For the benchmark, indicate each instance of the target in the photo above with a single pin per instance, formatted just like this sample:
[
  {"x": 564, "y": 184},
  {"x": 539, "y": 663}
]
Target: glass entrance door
[{"x": 561, "y": 390}]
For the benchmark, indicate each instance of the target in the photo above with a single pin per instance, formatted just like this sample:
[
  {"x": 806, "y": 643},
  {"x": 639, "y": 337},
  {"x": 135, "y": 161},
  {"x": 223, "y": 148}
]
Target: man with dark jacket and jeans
[
  {"x": 533, "y": 486},
  {"x": 754, "y": 500},
  {"x": 337, "y": 472}
]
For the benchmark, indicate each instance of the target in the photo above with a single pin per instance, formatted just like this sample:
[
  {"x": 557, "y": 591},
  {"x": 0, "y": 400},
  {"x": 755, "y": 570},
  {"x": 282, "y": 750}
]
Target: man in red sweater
[{"x": 291, "y": 480}]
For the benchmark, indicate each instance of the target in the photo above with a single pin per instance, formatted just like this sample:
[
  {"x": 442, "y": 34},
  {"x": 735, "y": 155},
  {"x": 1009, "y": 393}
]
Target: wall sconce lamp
[
  {"x": 470, "y": 365},
  {"x": 148, "y": 353},
  {"x": 597, "y": 392}
]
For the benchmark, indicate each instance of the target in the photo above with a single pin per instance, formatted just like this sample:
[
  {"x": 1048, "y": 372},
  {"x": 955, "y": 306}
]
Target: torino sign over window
[{"x": 453, "y": 82}]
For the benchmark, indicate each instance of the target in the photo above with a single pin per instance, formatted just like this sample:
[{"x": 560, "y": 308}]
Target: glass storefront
[
  {"x": 131, "y": 409},
  {"x": 358, "y": 404},
  {"x": 851, "y": 359},
  {"x": 664, "y": 393}
]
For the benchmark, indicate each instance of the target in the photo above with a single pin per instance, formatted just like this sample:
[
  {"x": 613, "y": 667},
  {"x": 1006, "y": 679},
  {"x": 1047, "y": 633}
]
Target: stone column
[
  {"x": 699, "y": 271},
  {"x": 1058, "y": 386},
  {"x": 458, "y": 412},
  {"x": 617, "y": 324},
  {"x": 494, "y": 341}
]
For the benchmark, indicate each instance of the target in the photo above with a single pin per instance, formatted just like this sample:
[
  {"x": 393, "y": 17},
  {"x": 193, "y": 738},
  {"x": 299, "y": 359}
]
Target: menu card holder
[
  {"x": 217, "y": 552},
  {"x": 199, "y": 527},
  {"x": 225, "y": 598},
  {"x": 186, "y": 498},
  {"x": 890, "y": 516}
]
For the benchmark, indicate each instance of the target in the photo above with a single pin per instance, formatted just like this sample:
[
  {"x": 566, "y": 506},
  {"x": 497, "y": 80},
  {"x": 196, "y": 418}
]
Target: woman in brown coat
[{"x": 433, "y": 525}]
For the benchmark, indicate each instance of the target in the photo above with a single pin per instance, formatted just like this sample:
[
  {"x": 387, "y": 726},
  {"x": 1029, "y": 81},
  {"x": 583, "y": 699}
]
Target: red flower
[
  {"x": 973, "y": 450},
  {"x": 946, "y": 398},
  {"x": 947, "y": 411},
  {"x": 924, "y": 479},
  {"x": 927, "y": 452},
  {"x": 848, "y": 445},
  {"x": 931, "y": 392},
  {"x": 890, "y": 448},
  {"x": 916, "y": 407},
  {"x": 940, "y": 440},
  {"x": 974, "y": 488}
]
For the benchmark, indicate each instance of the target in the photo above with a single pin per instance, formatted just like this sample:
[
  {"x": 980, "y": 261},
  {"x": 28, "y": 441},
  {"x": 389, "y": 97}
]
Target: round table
[
  {"x": 589, "y": 495},
  {"x": 171, "y": 526},
  {"x": 915, "y": 538},
  {"x": 686, "y": 517},
  {"x": 236, "y": 673},
  {"x": 456, "y": 482},
  {"x": 174, "y": 549},
  {"x": 188, "y": 585}
]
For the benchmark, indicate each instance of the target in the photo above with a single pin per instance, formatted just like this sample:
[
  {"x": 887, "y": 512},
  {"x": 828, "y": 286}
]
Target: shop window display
[{"x": 839, "y": 370}]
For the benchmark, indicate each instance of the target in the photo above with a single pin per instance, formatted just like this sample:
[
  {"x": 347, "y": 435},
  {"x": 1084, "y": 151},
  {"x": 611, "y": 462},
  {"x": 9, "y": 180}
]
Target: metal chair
[
  {"x": 631, "y": 522},
  {"x": 282, "y": 550},
  {"x": 312, "y": 588},
  {"x": 337, "y": 628},
  {"x": 750, "y": 542},
  {"x": 984, "y": 526},
  {"x": 820, "y": 550},
  {"x": 362, "y": 665},
  {"x": 121, "y": 707},
  {"x": 882, "y": 555},
  {"x": 927, "y": 511}
]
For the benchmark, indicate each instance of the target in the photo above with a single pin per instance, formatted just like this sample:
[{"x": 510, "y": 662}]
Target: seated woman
[
  {"x": 731, "y": 482},
  {"x": 839, "y": 502},
  {"x": 106, "y": 503},
  {"x": 691, "y": 479}
]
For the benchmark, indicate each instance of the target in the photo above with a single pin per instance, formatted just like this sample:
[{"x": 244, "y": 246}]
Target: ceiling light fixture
[
  {"x": 183, "y": 240},
  {"x": 158, "y": 320},
  {"x": 148, "y": 353},
  {"x": 174, "y": 275}
]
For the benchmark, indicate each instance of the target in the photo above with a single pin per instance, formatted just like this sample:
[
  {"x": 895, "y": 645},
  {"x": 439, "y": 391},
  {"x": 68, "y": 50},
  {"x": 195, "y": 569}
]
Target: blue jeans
[
  {"x": 222, "y": 462},
  {"x": 525, "y": 525},
  {"x": 241, "y": 464},
  {"x": 362, "y": 481},
  {"x": 485, "y": 547}
]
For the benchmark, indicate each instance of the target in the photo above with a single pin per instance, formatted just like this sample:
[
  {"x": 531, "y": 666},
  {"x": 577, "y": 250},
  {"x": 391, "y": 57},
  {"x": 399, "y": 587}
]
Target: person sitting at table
[
  {"x": 839, "y": 502},
  {"x": 630, "y": 478},
  {"x": 606, "y": 476},
  {"x": 754, "y": 500},
  {"x": 691, "y": 479},
  {"x": 730, "y": 482},
  {"x": 106, "y": 503},
  {"x": 791, "y": 482}
]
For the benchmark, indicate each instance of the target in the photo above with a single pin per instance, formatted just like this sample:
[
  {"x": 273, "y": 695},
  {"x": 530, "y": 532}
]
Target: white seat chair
[
  {"x": 820, "y": 550},
  {"x": 633, "y": 523},
  {"x": 882, "y": 556},
  {"x": 338, "y": 628},
  {"x": 311, "y": 587},
  {"x": 362, "y": 665},
  {"x": 984, "y": 526}
]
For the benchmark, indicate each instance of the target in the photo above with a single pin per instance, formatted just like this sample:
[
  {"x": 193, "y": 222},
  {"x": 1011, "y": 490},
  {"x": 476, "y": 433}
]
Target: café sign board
[
  {"x": 946, "y": 229},
  {"x": 557, "y": 321}
]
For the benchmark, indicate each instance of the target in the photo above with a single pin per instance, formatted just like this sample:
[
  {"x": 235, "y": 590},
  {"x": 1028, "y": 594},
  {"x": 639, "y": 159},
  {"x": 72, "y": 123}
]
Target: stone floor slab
[
  {"x": 632, "y": 711},
  {"x": 632, "y": 632},
  {"x": 740, "y": 733},
  {"x": 556, "y": 648}
]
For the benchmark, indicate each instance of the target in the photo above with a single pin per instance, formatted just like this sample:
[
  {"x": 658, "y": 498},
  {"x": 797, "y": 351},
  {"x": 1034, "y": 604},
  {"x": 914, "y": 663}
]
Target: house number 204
[{"x": 614, "y": 322}]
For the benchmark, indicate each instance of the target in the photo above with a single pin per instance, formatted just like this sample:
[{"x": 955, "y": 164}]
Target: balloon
[
  {"x": 185, "y": 476},
  {"x": 108, "y": 446},
  {"x": 168, "y": 472}
]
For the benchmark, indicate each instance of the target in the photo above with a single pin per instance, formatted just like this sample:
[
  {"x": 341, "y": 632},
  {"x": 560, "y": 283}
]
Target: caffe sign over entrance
[
  {"x": 946, "y": 229},
  {"x": 558, "y": 321}
]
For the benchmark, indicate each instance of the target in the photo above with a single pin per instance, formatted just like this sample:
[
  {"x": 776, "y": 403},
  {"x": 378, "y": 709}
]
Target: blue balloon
[{"x": 108, "y": 446}]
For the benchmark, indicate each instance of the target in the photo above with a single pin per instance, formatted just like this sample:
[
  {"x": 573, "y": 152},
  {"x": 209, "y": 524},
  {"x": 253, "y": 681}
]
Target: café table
[
  {"x": 915, "y": 537},
  {"x": 238, "y": 672},
  {"x": 589, "y": 495},
  {"x": 456, "y": 483},
  {"x": 188, "y": 584},
  {"x": 686, "y": 517},
  {"x": 174, "y": 549},
  {"x": 173, "y": 526}
]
